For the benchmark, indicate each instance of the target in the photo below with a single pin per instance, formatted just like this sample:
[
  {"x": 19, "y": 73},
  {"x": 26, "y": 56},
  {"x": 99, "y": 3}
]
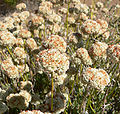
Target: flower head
[
  {"x": 98, "y": 78},
  {"x": 113, "y": 52},
  {"x": 55, "y": 42},
  {"x": 98, "y": 49},
  {"x": 91, "y": 27},
  {"x": 82, "y": 53},
  {"x": 53, "y": 60},
  {"x": 21, "y": 6}
]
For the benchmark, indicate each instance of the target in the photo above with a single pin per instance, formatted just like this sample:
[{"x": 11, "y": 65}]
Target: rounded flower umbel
[
  {"x": 21, "y": 6},
  {"x": 26, "y": 85},
  {"x": 20, "y": 101},
  {"x": 24, "y": 33},
  {"x": 52, "y": 60},
  {"x": 113, "y": 52},
  {"x": 31, "y": 43},
  {"x": 90, "y": 27},
  {"x": 9, "y": 68},
  {"x": 20, "y": 53},
  {"x": 55, "y": 42},
  {"x": 7, "y": 38},
  {"x": 82, "y": 53},
  {"x": 37, "y": 20},
  {"x": 97, "y": 78},
  {"x": 98, "y": 50},
  {"x": 31, "y": 112}
]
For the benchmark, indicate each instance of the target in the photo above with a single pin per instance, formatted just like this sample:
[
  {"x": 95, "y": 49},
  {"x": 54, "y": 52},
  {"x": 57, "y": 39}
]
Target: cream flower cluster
[
  {"x": 20, "y": 53},
  {"x": 20, "y": 100},
  {"x": 32, "y": 112},
  {"x": 55, "y": 42},
  {"x": 99, "y": 5},
  {"x": 52, "y": 60},
  {"x": 7, "y": 38},
  {"x": 59, "y": 78},
  {"x": 98, "y": 78},
  {"x": 3, "y": 26},
  {"x": 45, "y": 8},
  {"x": 31, "y": 43},
  {"x": 113, "y": 52},
  {"x": 9, "y": 68},
  {"x": 63, "y": 10},
  {"x": 24, "y": 15},
  {"x": 26, "y": 85},
  {"x": 83, "y": 17},
  {"x": 54, "y": 18},
  {"x": 90, "y": 27},
  {"x": 98, "y": 50},
  {"x": 82, "y": 8},
  {"x": 82, "y": 53},
  {"x": 19, "y": 42},
  {"x": 103, "y": 29},
  {"x": 37, "y": 20},
  {"x": 21, "y": 6},
  {"x": 24, "y": 33}
]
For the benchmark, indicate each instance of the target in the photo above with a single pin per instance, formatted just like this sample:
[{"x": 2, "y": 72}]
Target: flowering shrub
[{"x": 62, "y": 58}]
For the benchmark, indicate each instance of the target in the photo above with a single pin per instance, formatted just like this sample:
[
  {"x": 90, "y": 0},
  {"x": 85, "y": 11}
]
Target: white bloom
[
  {"x": 55, "y": 42},
  {"x": 31, "y": 43},
  {"x": 21, "y": 6},
  {"x": 82, "y": 53},
  {"x": 98, "y": 78},
  {"x": 98, "y": 49},
  {"x": 53, "y": 60}
]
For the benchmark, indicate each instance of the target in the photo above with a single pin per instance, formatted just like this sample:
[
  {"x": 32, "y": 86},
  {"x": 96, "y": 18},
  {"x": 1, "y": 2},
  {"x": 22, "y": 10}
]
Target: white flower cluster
[
  {"x": 113, "y": 52},
  {"x": 19, "y": 42},
  {"x": 20, "y": 100},
  {"x": 99, "y": 5},
  {"x": 31, "y": 43},
  {"x": 103, "y": 29},
  {"x": 82, "y": 8},
  {"x": 55, "y": 42},
  {"x": 52, "y": 60},
  {"x": 9, "y": 68},
  {"x": 82, "y": 53},
  {"x": 54, "y": 18},
  {"x": 45, "y": 8},
  {"x": 20, "y": 53},
  {"x": 32, "y": 112},
  {"x": 83, "y": 16},
  {"x": 24, "y": 33},
  {"x": 98, "y": 78},
  {"x": 3, "y": 26},
  {"x": 90, "y": 27},
  {"x": 26, "y": 85},
  {"x": 21, "y": 6},
  {"x": 63, "y": 10},
  {"x": 7, "y": 38},
  {"x": 98, "y": 50},
  {"x": 71, "y": 20},
  {"x": 37, "y": 20},
  {"x": 24, "y": 15}
]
